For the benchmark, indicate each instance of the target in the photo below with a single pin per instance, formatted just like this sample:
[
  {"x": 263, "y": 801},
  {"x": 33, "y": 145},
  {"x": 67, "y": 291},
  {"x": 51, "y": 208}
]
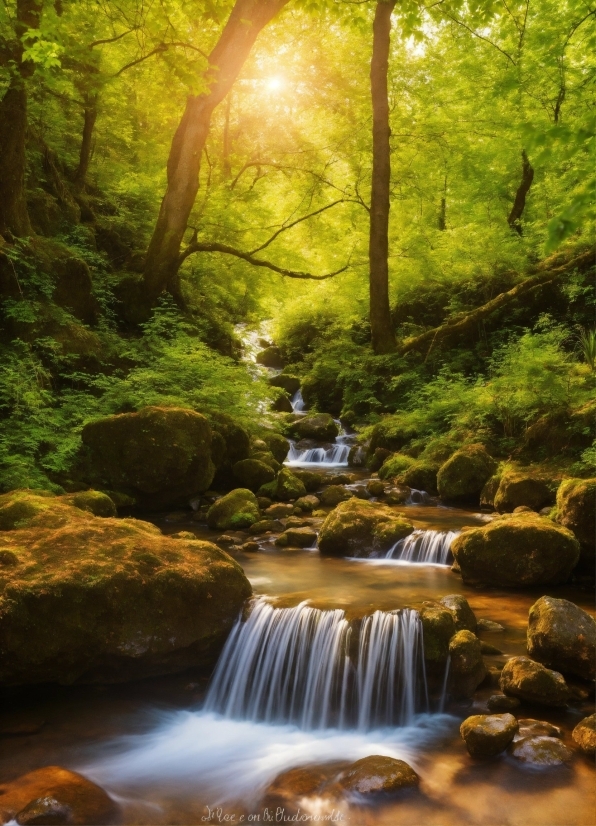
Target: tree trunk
[
  {"x": 514, "y": 219},
  {"x": 89, "y": 118},
  {"x": 247, "y": 19},
  {"x": 383, "y": 335}
]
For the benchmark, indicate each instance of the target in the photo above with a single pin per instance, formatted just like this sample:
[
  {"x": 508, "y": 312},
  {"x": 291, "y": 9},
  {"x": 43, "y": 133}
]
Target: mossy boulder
[
  {"x": 19, "y": 507},
  {"x": 277, "y": 444},
  {"x": 307, "y": 503},
  {"x": 516, "y": 551},
  {"x": 252, "y": 473},
  {"x": 378, "y": 774},
  {"x": 320, "y": 426},
  {"x": 281, "y": 403},
  {"x": 237, "y": 509},
  {"x": 161, "y": 455},
  {"x": 541, "y": 751},
  {"x": 299, "y": 537},
  {"x": 584, "y": 735},
  {"x": 361, "y": 528},
  {"x": 489, "y": 491},
  {"x": 531, "y": 681},
  {"x": 271, "y": 357},
  {"x": 268, "y": 459},
  {"x": 562, "y": 636},
  {"x": 438, "y": 627},
  {"x": 90, "y": 599},
  {"x": 334, "y": 494},
  {"x": 311, "y": 480},
  {"x": 394, "y": 465},
  {"x": 95, "y": 502},
  {"x": 463, "y": 616},
  {"x": 576, "y": 510},
  {"x": 286, "y": 487},
  {"x": 392, "y": 433},
  {"x": 466, "y": 668},
  {"x": 291, "y": 384},
  {"x": 463, "y": 476},
  {"x": 420, "y": 476},
  {"x": 487, "y": 735},
  {"x": 518, "y": 488},
  {"x": 235, "y": 437}
]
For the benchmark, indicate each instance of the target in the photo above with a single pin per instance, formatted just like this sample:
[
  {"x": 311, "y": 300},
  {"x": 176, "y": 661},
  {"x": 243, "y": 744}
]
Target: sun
[{"x": 275, "y": 83}]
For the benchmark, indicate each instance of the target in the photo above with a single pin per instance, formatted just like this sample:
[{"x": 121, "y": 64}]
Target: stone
[
  {"x": 271, "y": 357},
  {"x": 438, "y": 627},
  {"x": 318, "y": 426},
  {"x": 56, "y": 795},
  {"x": 360, "y": 528},
  {"x": 312, "y": 481},
  {"x": 501, "y": 702},
  {"x": 378, "y": 775},
  {"x": 489, "y": 625},
  {"x": 420, "y": 476},
  {"x": 268, "y": 459},
  {"x": 489, "y": 650},
  {"x": 340, "y": 479},
  {"x": 584, "y": 735},
  {"x": 562, "y": 636},
  {"x": 277, "y": 444},
  {"x": 95, "y": 502},
  {"x": 335, "y": 494},
  {"x": 252, "y": 474},
  {"x": 161, "y": 456},
  {"x": 530, "y": 681},
  {"x": 528, "y": 727},
  {"x": 576, "y": 510},
  {"x": 489, "y": 491},
  {"x": 250, "y": 547},
  {"x": 293, "y": 785},
  {"x": 517, "y": 489},
  {"x": 462, "y": 477},
  {"x": 463, "y": 616},
  {"x": 545, "y": 752},
  {"x": 183, "y": 535},
  {"x": 487, "y": 735},
  {"x": 392, "y": 433},
  {"x": 307, "y": 503},
  {"x": 279, "y": 511},
  {"x": 300, "y": 537},
  {"x": 282, "y": 403},
  {"x": 287, "y": 486},
  {"x": 237, "y": 509},
  {"x": 516, "y": 551},
  {"x": 291, "y": 384},
  {"x": 264, "y": 502},
  {"x": 397, "y": 495},
  {"x": 297, "y": 522},
  {"x": 466, "y": 668},
  {"x": 375, "y": 487},
  {"x": 266, "y": 526}
]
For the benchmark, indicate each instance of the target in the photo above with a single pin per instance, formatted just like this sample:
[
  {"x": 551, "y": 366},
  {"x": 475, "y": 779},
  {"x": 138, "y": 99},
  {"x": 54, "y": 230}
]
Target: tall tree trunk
[
  {"x": 517, "y": 210},
  {"x": 383, "y": 336},
  {"x": 247, "y": 19},
  {"x": 89, "y": 118}
]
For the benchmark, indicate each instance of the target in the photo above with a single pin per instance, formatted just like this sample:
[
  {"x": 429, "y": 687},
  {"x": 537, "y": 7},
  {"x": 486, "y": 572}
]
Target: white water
[
  {"x": 298, "y": 405},
  {"x": 424, "y": 548},
  {"x": 334, "y": 456},
  {"x": 418, "y": 497}
]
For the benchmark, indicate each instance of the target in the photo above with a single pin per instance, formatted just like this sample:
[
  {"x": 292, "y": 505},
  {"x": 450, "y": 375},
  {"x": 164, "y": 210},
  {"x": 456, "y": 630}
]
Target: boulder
[
  {"x": 392, "y": 434},
  {"x": 279, "y": 511},
  {"x": 563, "y": 636},
  {"x": 528, "y": 727},
  {"x": 361, "y": 528},
  {"x": 161, "y": 455},
  {"x": 277, "y": 444},
  {"x": 518, "y": 488},
  {"x": 420, "y": 476},
  {"x": 19, "y": 507},
  {"x": 489, "y": 626},
  {"x": 95, "y": 502},
  {"x": 576, "y": 510},
  {"x": 312, "y": 481},
  {"x": 375, "y": 487},
  {"x": 501, "y": 702},
  {"x": 335, "y": 494},
  {"x": 319, "y": 426},
  {"x": 237, "y": 509},
  {"x": 235, "y": 439},
  {"x": 438, "y": 627},
  {"x": 516, "y": 551},
  {"x": 294, "y": 784},
  {"x": 489, "y": 491},
  {"x": 394, "y": 465},
  {"x": 530, "y": 681},
  {"x": 286, "y": 487},
  {"x": 545, "y": 752},
  {"x": 266, "y": 526},
  {"x": 89, "y": 599},
  {"x": 463, "y": 616},
  {"x": 487, "y": 735},
  {"x": 291, "y": 384},
  {"x": 299, "y": 537},
  {"x": 268, "y": 459},
  {"x": 307, "y": 503},
  {"x": 56, "y": 795},
  {"x": 466, "y": 668},
  {"x": 252, "y": 474},
  {"x": 282, "y": 403},
  {"x": 271, "y": 357},
  {"x": 378, "y": 774},
  {"x": 584, "y": 735},
  {"x": 463, "y": 476}
]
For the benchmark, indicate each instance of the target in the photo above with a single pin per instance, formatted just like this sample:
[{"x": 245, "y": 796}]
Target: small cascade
[
  {"x": 336, "y": 455},
  {"x": 296, "y": 665},
  {"x": 424, "y": 548},
  {"x": 298, "y": 405},
  {"x": 418, "y": 497}
]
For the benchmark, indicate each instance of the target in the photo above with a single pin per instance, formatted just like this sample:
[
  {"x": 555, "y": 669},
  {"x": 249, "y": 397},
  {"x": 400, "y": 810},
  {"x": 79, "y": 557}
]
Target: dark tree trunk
[
  {"x": 89, "y": 118},
  {"x": 383, "y": 335},
  {"x": 247, "y": 19},
  {"x": 517, "y": 210},
  {"x": 442, "y": 222}
]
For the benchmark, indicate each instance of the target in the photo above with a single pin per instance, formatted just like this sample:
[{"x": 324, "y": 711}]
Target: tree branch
[
  {"x": 285, "y": 227},
  {"x": 161, "y": 47},
  {"x": 479, "y": 36}
]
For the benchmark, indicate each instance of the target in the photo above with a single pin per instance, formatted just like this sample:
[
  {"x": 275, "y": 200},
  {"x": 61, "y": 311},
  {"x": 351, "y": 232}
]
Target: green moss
[
  {"x": 438, "y": 627},
  {"x": 517, "y": 488},
  {"x": 239, "y": 508},
  {"x": 420, "y": 476},
  {"x": 395, "y": 465},
  {"x": 361, "y": 528},
  {"x": 252, "y": 473},
  {"x": 18, "y": 507},
  {"x": 463, "y": 476},
  {"x": 95, "y": 502}
]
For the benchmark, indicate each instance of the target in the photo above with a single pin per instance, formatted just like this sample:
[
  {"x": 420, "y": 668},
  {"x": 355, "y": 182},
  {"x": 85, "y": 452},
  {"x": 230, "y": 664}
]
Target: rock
[
  {"x": 312, "y": 481},
  {"x": 297, "y": 522},
  {"x": 463, "y": 476},
  {"x": 500, "y": 702},
  {"x": 291, "y": 384},
  {"x": 340, "y": 479},
  {"x": 56, "y": 795},
  {"x": 563, "y": 636},
  {"x": 252, "y": 474},
  {"x": 375, "y": 487},
  {"x": 235, "y": 439},
  {"x": 466, "y": 669},
  {"x": 335, "y": 494},
  {"x": 300, "y": 537},
  {"x": 529, "y": 727},
  {"x": 293, "y": 785},
  {"x": 279, "y": 511},
  {"x": 489, "y": 625},
  {"x": 584, "y": 735},
  {"x": 271, "y": 357},
  {"x": 516, "y": 551},
  {"x": 397, "y": 495},
  {"x": 266, "y": 526},
  {"x": 319, "y": 426},
  {"x": 161, "y": 455},
  {"x": 360, "y": 528},
  {"x": 489, "y": 491},
  {"x": 357, "y": 456},
  {"x": 183, "y": 535},
  {"x": 377, "y": 458},
  {"x": 237, "y": 509},
  {"x": 420, "y": 476},
  {"x": 250, "y": 547},
  {"x": 307, "y": 503},
  {"x": 522, "y": 677},
  {"x": 438, "y": 627},
  {"x": 517, "y": 488},
  {"x": 287, "y": 486},
  {"x": 576, "y": 510},
  {"x": 268, "y": 459},
  {"x": 378, "y": 775},
  {"x": 282, "y": 403},
  {"x": 463, "y": 616},
  {"x": 277, "y": 444},
  {"x": 394, "y": 465},
  {"x": 489, "y": 650},
  {"x": 95, "y": 502},
  {"x": 264, "y": 502},
  {"x": 487, "y": 735},
  {"x": 392, "y": 434},
  {"x": 540, "y": 751}
]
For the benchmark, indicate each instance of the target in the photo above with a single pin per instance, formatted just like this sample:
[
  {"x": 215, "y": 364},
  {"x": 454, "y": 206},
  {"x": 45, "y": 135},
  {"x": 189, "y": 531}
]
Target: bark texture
[{"x": 519, "y": 204}]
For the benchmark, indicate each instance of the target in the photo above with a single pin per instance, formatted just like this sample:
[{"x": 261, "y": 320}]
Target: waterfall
[
  {"x": 298, "y": 405},
  {"x": 296, "y": 665},
  {"x": 418, "y": 497},
  {"x": 336, "y": 454},
  {"x": 424, "y": 548}
]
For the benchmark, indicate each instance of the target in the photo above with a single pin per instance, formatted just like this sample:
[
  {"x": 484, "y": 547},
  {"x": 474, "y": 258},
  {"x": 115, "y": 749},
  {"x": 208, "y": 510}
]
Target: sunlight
[{"x": 275, "y": 83}]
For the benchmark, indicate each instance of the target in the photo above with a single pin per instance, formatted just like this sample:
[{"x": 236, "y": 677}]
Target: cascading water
[
  {"x": 298, "y": 405},
  {"x": 424, "y": 548},
  {"x": 295, "y": 665},
  {"x": 336, "y": 454}
]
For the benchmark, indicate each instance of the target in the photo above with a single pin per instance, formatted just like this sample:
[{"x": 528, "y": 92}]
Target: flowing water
[{"x": 424, "y": 548}]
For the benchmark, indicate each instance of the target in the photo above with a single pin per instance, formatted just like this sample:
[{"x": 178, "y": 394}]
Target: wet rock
[
  {"x": 296, "y": 522},
  {"x": 184, "y": 535},
  {"x": 335, "y": 494},
  {"x": 463, "y": 616},
  {"x": 489, "y": 625},
  {"x": 397, "y": 495},
  {"x": 516, "y": 551},
  {"x": 290, "y": 786},
  {"x": 291, "y": 384},
  {"x": 160, "y": 455},
  {"x": 522, "y": 489},
  {"x": 307, "y": 503},
  {"x": 463, "y": 476},
  {"x": 267, "y": 526},
  {"x": 93, "y": 501},
  {"x": 584, "y": 735},
  {"x": 357, "y": 456},
  {"x": 420, "y": 476},
  {"x": 528, "y": 727},
  {"x": 282, "y": 403},
  {"x": 487, "y": 735},
  {"x": 378, "y": 775},
  {"x": 268, "y": 459},
  {"x": 237, "y": 509},
  {"x": 264, "y": 502},
  {"x": 361, "y": 492},
  {"x": 299, "y": 537},
  {"x": 489, "y": 491},
  {"x": 250, "y": 547},
  {"x": 489, "y": 650},
  {"x": 438, "y": 627},
  {"x": 340, "y": 479},
  {"x": 466, "y": 669},
  {"x": 501, "y": 702},
  {"x": 312, "y": 481},
  {"x": 359, "y": 528},
  {"x": 279, "y": 511},
  {"x": 545, "y": 752},
  {"x": 286, "y": 487},
  {"x": 277, "y": 444},
  {"x": 375, "y": 487},
  {"x": 319, "y": 426},
  {"x": 271, "y": 357},
  {"x": 563, "y": 636},
  {"x": 252, "y": 474},
  {"x": 522, "y": 677},
  {"x": 576, "y": 510},
  {"x": 56, "y": 795}
]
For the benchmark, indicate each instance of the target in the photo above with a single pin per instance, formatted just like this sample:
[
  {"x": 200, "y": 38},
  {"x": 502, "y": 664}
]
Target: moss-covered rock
[
  {"x": 420, "y": 476},
  {"x": 286, "y": 487},
  {"x": 466, "y": 669},
  {"x": 299, "y": 537},
  {"x": 161, "y": 455},
  {"x": 584, "y": 735},
  {"x": 291, "y": 384},
  {"x": 361, "y": 528},
  {"x": 562, "y": 636},
  {"x": 311, "y": 480},
  {"x": 268, "y": 459},
  {"x": 321, "y": 427},
  {"x": 378, "y": 774},
  {"x": 518, "y": 488},
  {"x": 394, "y": 465},
  {"x": 438, "y": 627},
  {"x": 463, "y": 616},
  {"x": 489, "y": 491},
  {"x": 18, "y": 507},
  {"x": 93, "y": 599},
  {"x": 277, "y": 444},
  {"x": 307, "y": 503},
  {"x": 463, "y": 476},
  {"x": 282, "y": 402},
  {"x": 540, "y": 751},
  {"x": 391, "y": 434},
  {"x": 237, "y": 509},
  {"x": 252, "y": 474},
  {"x": 487, "y": 735},
  {"x": 334, "y": 494},
  {"x": 271, "y": 357},
  {"x": 95, "y": 502},
  {"x": 531, "y": 681},
  {"x": 516, "y": 551},
  {"x": 576, "y": 510},
  {"x": 235, "y": 437}
]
